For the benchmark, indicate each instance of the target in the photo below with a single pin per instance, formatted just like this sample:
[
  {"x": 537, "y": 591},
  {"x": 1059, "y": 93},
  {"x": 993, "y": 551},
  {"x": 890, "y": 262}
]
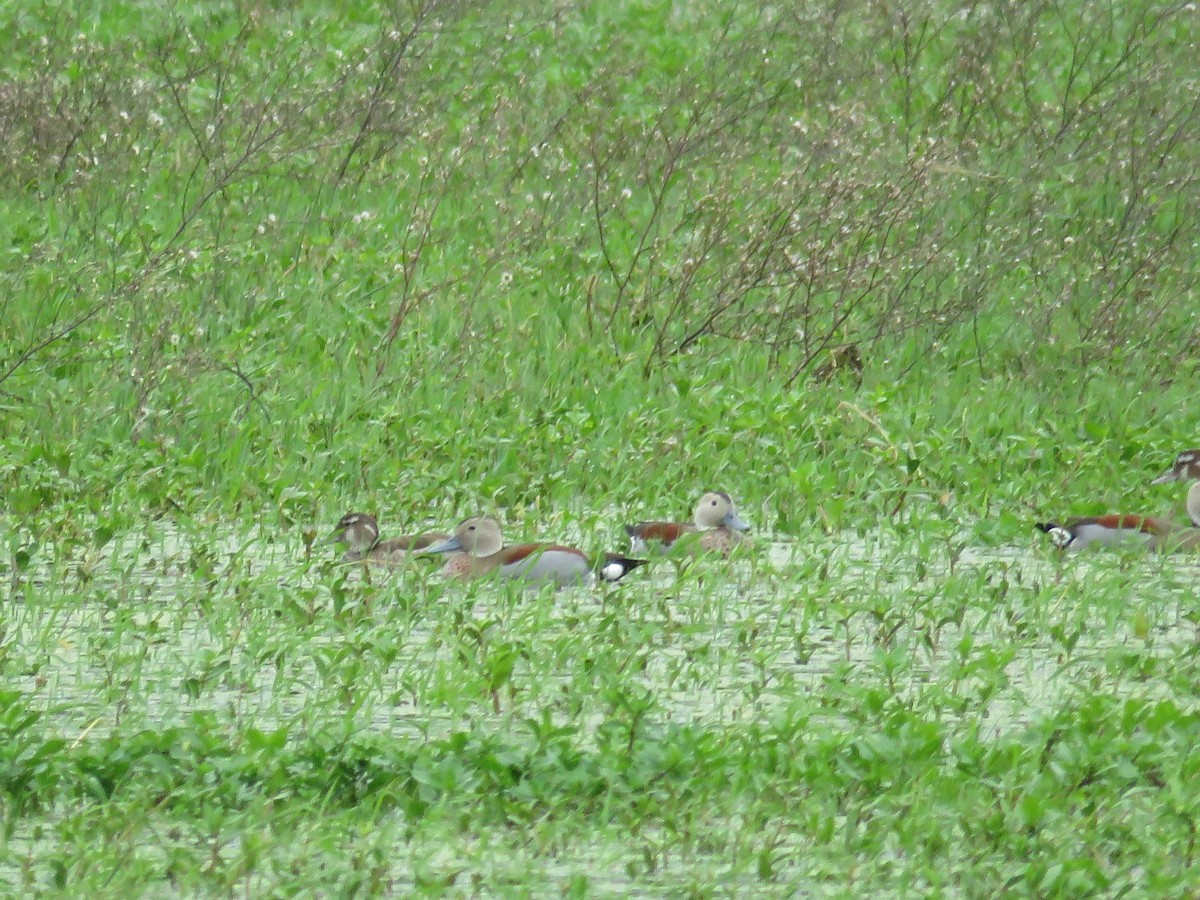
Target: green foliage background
[{"x": 264, "y": 263}]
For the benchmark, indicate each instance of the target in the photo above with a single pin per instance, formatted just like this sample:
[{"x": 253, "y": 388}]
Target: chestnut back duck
[
  {"x": 481, "y": 541},
  {"x": 1154, "y": 532},
  {"x": 715, "y": 527},
  {"x": 1078, "y": 532}
]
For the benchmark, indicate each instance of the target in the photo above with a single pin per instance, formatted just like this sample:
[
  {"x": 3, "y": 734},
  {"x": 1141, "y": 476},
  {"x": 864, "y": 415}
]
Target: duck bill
[
  {"x": 453, "y": 545},
  {"x": 1166, "y": 477},
  {"x": 732, "y": 520},
  {"x": 335, "y": 538}
]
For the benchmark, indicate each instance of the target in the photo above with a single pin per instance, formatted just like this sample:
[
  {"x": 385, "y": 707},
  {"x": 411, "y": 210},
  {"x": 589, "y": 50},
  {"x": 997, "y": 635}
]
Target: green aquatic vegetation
[{"x": 901, "y": 284}]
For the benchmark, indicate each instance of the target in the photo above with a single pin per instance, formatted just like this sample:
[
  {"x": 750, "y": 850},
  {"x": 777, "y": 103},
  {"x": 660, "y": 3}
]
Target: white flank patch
[
  {"x": 612, "y": 571},
  {"x": 1060, "y": 537}
]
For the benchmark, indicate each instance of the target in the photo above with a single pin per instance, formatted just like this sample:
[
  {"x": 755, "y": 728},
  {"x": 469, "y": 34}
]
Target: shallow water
[
  {"x": 154, "y": 629},
  {"x": 731, "y": 641}
]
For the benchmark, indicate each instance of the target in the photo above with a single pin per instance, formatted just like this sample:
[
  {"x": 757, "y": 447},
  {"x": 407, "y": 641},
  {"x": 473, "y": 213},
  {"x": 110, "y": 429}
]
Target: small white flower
[
  {"x": 155, "y": 119},
  {"x": 506, "y": 278},
  {"x": 626, "y": 193}
]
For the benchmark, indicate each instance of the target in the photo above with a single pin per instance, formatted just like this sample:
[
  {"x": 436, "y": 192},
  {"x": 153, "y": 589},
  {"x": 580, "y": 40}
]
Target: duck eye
[{"x": 470, "y": 528}]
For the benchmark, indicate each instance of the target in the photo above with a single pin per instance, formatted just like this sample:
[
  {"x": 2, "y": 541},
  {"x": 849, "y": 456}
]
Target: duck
[
  {"x": 716, "y": 523},
  {"x": 1185, "y": 468},
  {"x": 360, "y": 533},
  {"x": 1154, "y": 532},
  {"x": 1079, "y": 532},
  {"x": 479, "y": 541}
]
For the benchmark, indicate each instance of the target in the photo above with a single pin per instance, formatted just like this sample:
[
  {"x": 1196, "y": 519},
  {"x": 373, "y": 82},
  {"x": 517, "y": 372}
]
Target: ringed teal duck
[
  {"x": 482, "y": 542},
  {"x": 715, "y": 524},
  {"x": 1154, "y": 532},
  {"x": 1185, "y": 468},
  {"x": 359, "y": 532}
]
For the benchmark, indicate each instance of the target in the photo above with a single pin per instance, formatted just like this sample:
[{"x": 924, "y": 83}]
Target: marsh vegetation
[{"x": 901, "y": 281}]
